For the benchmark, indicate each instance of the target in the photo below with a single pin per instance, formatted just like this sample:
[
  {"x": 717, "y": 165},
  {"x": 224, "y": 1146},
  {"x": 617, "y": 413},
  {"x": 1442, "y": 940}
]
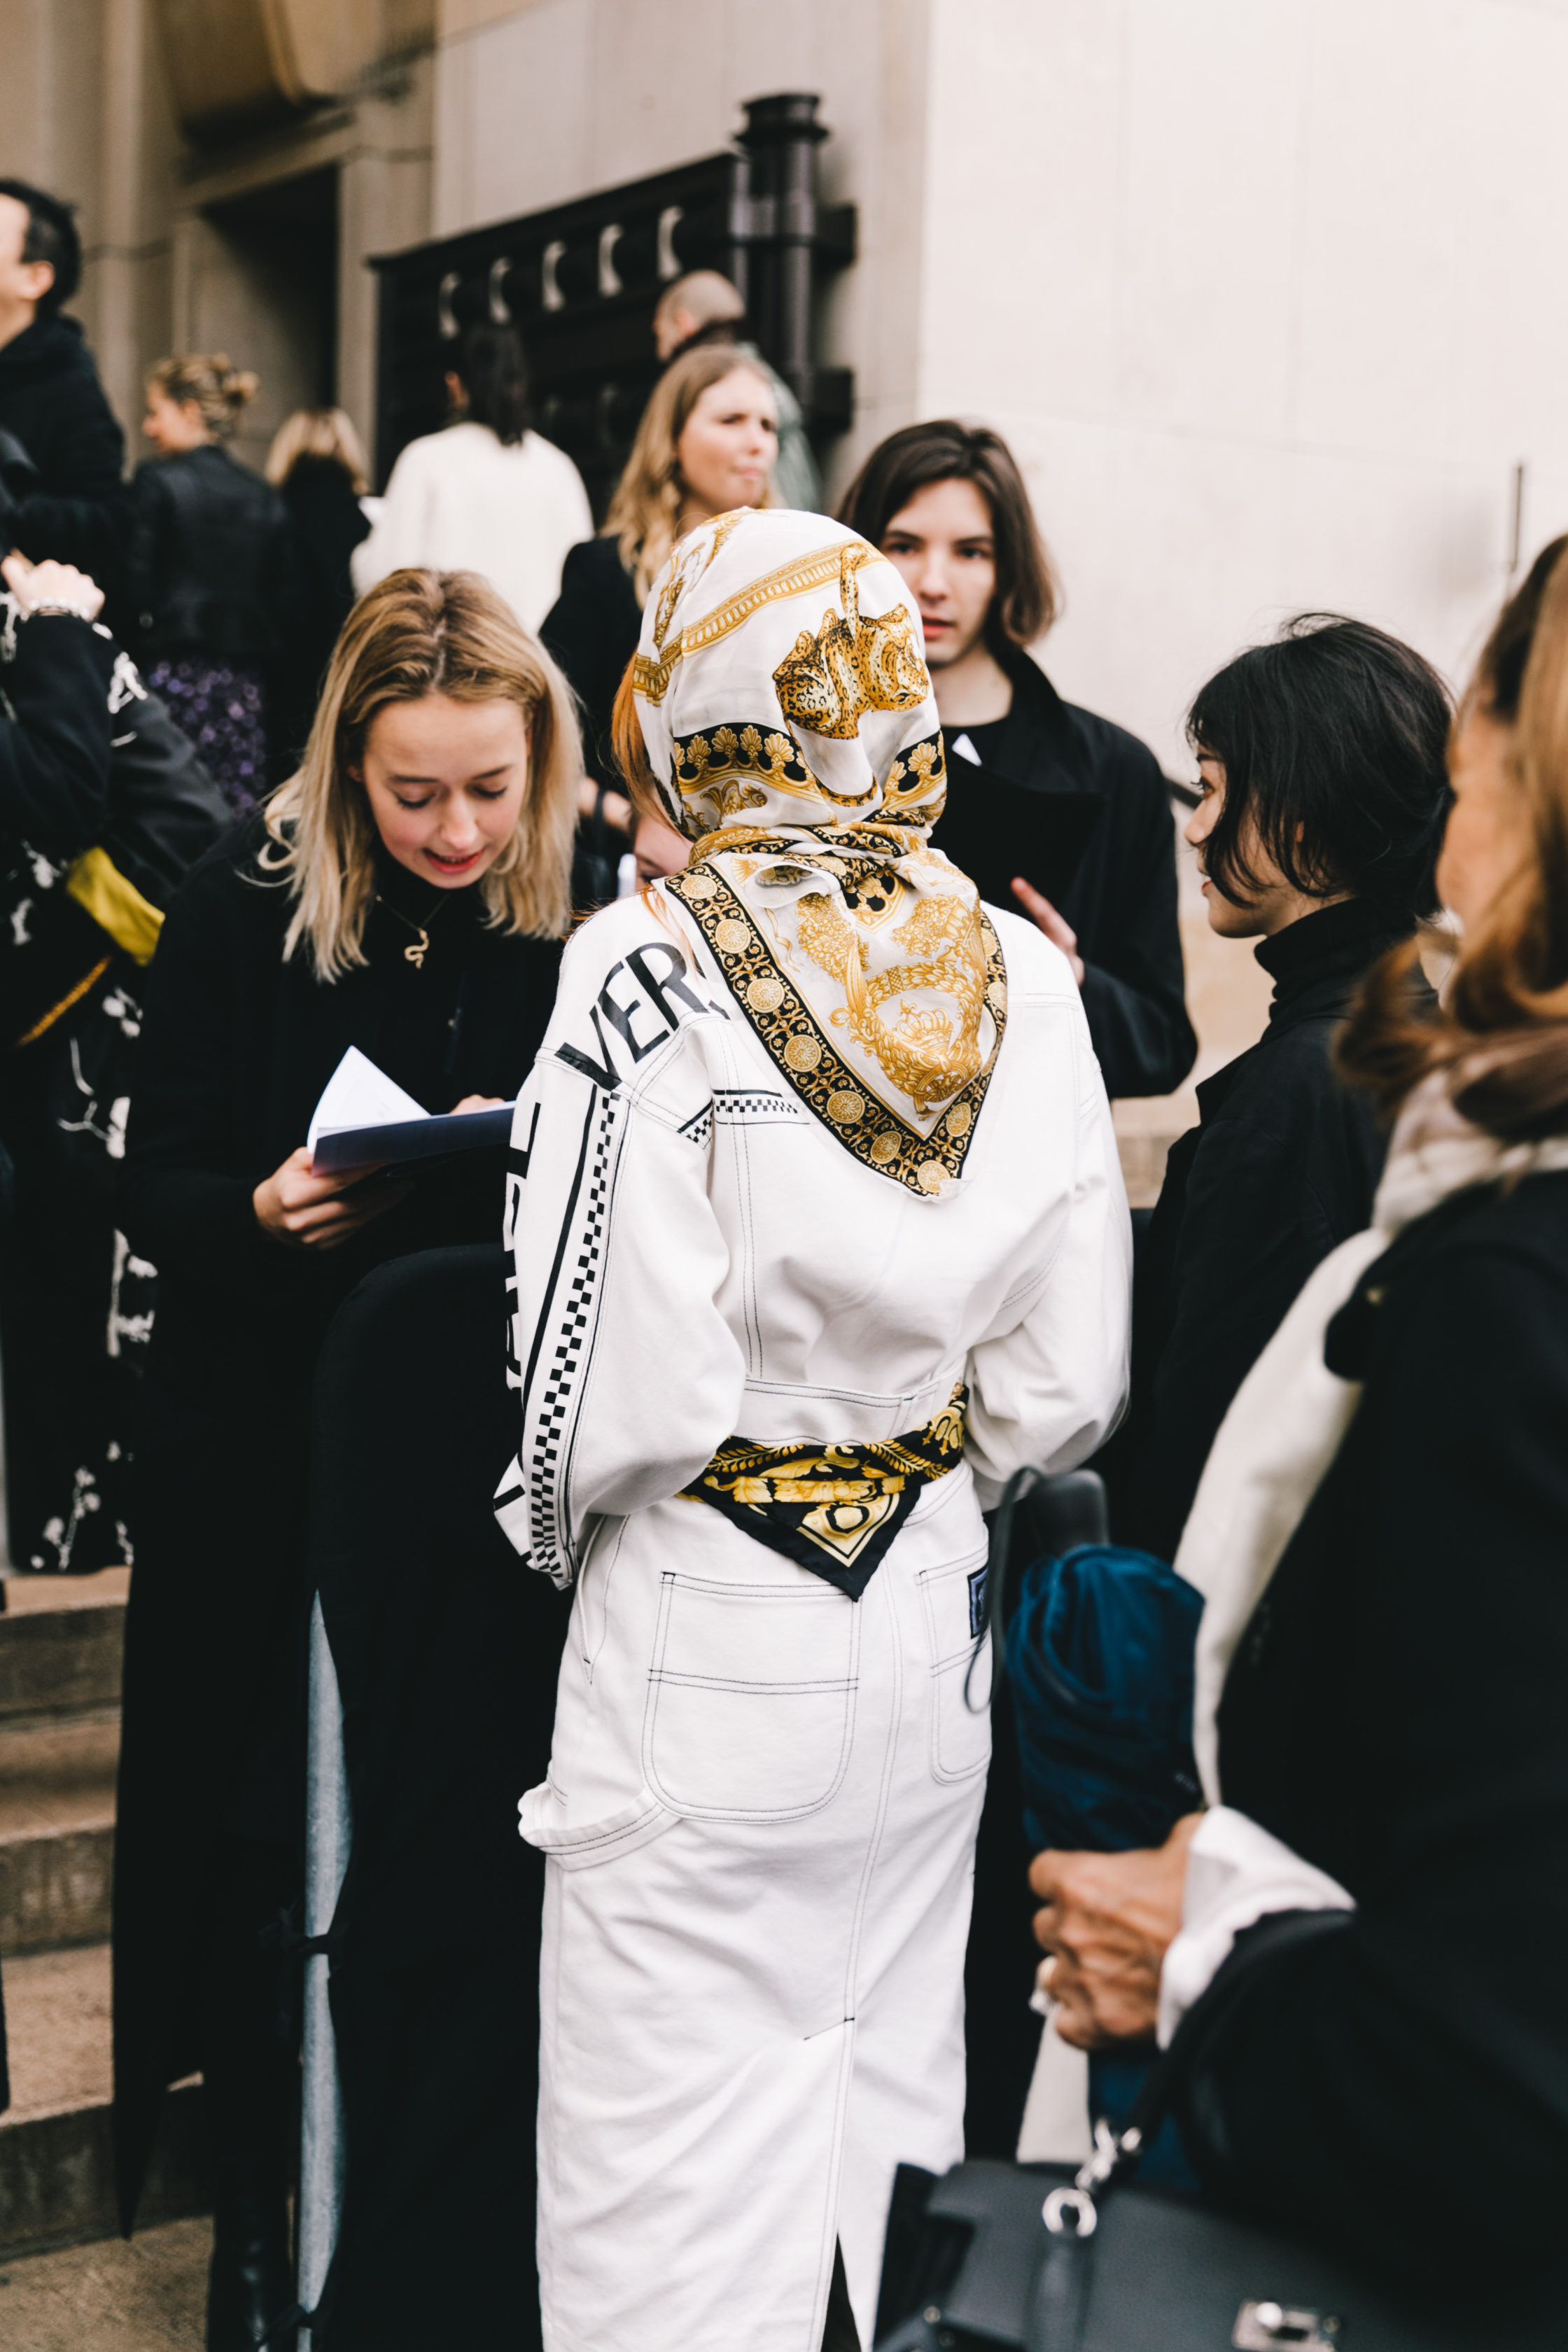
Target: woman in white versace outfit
[{"x": 819, "y": 1235}]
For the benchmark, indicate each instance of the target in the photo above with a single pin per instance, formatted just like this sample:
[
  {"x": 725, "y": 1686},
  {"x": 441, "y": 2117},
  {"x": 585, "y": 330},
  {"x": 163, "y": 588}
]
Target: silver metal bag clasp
[{"x": 1262, "y": 2327}]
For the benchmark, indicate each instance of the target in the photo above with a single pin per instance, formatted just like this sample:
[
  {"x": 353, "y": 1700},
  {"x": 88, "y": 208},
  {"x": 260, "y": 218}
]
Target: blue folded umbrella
[{"x": 1099, "y": 1655}]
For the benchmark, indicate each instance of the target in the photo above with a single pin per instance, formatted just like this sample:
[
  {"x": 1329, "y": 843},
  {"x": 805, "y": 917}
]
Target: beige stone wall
[
  {"x": 230, "y": 293},
  {"x": 89, "y": 107},
  {"x": 84, "y": 110}
]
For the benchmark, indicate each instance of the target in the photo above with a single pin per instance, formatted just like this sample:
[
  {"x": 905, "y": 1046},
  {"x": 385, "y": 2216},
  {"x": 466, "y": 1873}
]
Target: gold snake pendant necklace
[{"x": 415, "y": 954}]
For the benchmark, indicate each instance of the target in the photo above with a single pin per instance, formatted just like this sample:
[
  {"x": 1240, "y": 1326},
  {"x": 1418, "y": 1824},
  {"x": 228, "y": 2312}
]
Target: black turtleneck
[
  {"x": 1317, "y": 962},
  {"x": 1122, "y": 900},
  {"x": 1281, "y": 1169}
]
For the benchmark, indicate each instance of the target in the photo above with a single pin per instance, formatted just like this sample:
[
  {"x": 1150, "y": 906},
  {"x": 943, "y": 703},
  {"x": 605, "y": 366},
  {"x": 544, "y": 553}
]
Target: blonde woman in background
[
  {"x": 488, "y": 494},
  {"x": 317, "y": 464},
  {"x": 705, "y": 307},
  {"x": 209, "y": 569},
  {"x": 708, "y": 443},
  {"x": 406, "y": 893}
]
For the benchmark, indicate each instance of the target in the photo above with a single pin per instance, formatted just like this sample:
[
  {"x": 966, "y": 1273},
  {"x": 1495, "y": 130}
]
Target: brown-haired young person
[{"x": 946, "y": 503}]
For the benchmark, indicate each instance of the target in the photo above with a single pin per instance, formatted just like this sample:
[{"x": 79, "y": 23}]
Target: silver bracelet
[{"x": 49, "y": 605}]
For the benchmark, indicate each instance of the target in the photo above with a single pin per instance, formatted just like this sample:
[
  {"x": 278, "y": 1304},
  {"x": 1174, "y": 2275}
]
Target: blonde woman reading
[{"x": 405, "y": 893}]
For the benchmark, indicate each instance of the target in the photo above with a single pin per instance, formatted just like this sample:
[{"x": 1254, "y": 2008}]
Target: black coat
[
  {"x": 236, "y": 1050},
  {"x": 51, "y": 399},
  {"x": 89, "y": 758},
  {"x": 1123, "y": 899},
  {"x": 326, "y": 522},
  {"x": 1281, "y": 1169},
  {"x": 210, "y": 565},
  {"x": 1395, "y": 1713},
  {"x": 54, "y": 738},
  {"x": 592, "y": 631}
]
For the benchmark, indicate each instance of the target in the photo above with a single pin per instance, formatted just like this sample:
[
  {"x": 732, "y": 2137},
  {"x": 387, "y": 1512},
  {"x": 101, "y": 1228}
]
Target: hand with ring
[{"x": 1107, "y": 1921}]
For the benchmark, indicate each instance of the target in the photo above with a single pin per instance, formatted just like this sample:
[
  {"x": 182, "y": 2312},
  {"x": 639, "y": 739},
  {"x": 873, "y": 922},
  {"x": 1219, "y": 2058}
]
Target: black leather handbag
[
  {"x": 1044, "y": 2258},
  {"x": 1024, "y": 2256}
]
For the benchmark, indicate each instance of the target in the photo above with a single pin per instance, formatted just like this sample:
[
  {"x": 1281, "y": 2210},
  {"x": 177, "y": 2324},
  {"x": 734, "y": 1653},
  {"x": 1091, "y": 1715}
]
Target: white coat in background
[
  {"x": 461, "y": 501},
  {"x": 762, "y": 1796}
]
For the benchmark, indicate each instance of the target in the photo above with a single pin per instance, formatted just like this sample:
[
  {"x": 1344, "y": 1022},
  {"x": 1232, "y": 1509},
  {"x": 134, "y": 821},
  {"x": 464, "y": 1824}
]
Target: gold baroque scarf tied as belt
[{"x": 832, "y": 1508}]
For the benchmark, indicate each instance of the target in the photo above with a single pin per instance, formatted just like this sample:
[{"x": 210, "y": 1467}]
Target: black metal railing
[{"x": 580, "y": 280}]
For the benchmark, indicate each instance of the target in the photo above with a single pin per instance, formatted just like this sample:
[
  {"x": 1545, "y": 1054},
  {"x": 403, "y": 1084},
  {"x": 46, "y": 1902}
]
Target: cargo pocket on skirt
[
  {"x": 955, "y": 1600},
  {"x": 751, "y": 1704}
]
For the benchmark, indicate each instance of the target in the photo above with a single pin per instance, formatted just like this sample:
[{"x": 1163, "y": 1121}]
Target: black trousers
[{"x": 249, "y": 2028}]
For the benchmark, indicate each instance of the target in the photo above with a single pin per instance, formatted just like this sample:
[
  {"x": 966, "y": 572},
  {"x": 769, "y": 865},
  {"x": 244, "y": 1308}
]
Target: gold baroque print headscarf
[{"x": 788, "y": 716}]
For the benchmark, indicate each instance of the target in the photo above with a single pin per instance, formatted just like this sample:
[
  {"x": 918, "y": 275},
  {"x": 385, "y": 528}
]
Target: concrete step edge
[
  {"x": 56, "y": 1887},
  {"x": 60, "y": 1660},
  {"x": 57, "y": 2175},
  {"x": 16, "y": 1726}
]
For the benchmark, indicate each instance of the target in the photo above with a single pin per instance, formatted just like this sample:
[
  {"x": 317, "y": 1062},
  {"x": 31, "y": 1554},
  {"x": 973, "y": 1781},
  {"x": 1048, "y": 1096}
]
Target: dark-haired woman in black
[
  {"x": 1321, "y": 764},
  {"x": 947, "y": 505}
]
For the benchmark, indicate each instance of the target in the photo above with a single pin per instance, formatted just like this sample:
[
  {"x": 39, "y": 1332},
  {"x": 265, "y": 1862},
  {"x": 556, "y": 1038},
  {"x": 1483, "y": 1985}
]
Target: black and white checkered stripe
[
  {"x": 755, "y": 1107},
  {"x": 563, "y": 1341}
]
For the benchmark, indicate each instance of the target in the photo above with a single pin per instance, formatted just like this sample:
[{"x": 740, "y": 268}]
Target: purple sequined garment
[{"x": 222, "y": 707}]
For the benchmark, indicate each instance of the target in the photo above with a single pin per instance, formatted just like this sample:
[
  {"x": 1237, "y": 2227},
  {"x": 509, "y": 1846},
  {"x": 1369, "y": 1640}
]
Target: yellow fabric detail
[
  {"x": 30, "y": 1036},
  {"x": 115, "y": 905}
]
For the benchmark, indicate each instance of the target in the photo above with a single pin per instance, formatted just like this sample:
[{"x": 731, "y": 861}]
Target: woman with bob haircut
[
  {"x": 706, "y": 444},
  {"x": 947, "y": 505},
  {"x": 1321, "y": 766},
  {"x": 406, "y": 893},
  {"x": 1363, "y": 1935}
]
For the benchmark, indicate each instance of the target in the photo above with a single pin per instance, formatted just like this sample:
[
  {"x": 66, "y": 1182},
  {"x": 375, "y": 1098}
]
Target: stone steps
[
  {"x": 57, "y": 1828},
  {"x": 147, "y": 2295},
  {"x": 60, "y": 1648},
  {"x": 56, "y": 2162},
  {"x": 65, "y": 1657}
]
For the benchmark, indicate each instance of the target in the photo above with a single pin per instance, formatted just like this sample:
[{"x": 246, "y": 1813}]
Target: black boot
[
  {"x": 251, "y": 2282},
  {"x": 250, "y": 2073}
]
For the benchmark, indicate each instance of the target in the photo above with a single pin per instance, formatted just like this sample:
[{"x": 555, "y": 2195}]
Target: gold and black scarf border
[{"x": 805, "y": 1056}]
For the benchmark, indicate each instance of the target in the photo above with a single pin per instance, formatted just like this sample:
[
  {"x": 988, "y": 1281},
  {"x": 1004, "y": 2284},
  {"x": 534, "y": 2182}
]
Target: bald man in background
[{"x": 705, "y": 307}]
